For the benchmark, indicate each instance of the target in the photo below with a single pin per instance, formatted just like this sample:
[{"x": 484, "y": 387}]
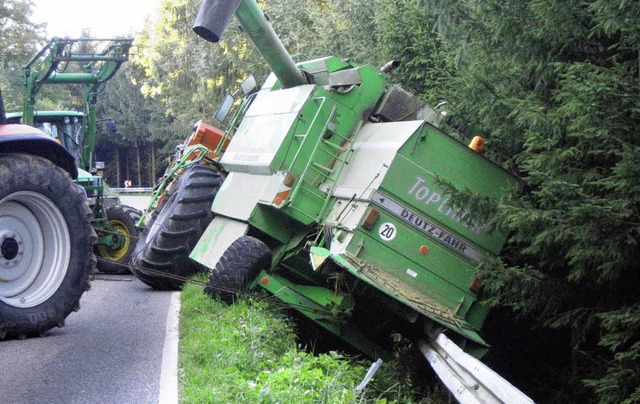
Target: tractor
[
  {"x": 337, "y": 194},
  {"x": 67, "y": 61},
  {"x": 46, "y": 237}
]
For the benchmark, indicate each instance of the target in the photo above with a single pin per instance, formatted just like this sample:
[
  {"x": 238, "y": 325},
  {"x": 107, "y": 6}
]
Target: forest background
[{"x": 553, "y": 85}]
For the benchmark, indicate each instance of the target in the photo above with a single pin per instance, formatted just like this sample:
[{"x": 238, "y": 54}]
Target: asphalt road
[{"x": 114, "y": 350}]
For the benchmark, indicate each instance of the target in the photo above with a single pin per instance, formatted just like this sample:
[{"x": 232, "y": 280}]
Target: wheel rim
[
  {"x": 112, "y": 253},
  {"x": 35, "y": 249}
]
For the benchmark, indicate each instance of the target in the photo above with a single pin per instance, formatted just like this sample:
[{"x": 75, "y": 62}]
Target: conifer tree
[{"x": 556, "y": 86}]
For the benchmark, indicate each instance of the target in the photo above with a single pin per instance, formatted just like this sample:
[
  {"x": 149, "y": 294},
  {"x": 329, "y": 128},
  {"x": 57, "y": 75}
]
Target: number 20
[{"x": 387, "y": 231}]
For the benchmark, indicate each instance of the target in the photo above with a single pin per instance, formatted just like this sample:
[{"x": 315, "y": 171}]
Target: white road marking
[{"x": 169, "y": 370}]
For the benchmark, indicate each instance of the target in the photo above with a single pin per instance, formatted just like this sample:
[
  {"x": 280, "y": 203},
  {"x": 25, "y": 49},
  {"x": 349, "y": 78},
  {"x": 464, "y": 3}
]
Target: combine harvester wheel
[
  {"x": 174, "y": 229},
  {"x": 238, "y": 267}
]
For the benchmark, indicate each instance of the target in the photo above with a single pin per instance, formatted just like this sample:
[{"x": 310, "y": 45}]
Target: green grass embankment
[{"x": 247, "y": 353}]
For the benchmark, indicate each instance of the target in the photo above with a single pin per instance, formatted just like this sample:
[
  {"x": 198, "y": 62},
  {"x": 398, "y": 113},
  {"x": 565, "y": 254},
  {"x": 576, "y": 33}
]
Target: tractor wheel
[
  {"x": 175, "y": 228},
  {"x": 121, "y": 219},
  {"x": 46, "y": 245},
  {"x": 238, "y": 267}
]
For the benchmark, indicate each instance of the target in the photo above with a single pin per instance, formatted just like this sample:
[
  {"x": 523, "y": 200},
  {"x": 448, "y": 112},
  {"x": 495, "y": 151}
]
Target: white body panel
[
  {"x": 239, "y": 195},
  {"x": 374, "y": 149},
  {"x": 263, "y": 129},
  {"x": 218, "y": 236}
]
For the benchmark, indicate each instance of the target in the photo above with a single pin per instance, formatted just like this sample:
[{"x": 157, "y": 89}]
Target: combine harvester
[{"x": 329, "y": 191}]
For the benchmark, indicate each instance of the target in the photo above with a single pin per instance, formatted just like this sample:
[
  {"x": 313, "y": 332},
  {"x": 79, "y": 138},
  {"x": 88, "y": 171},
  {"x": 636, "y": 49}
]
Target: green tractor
[
  {"x": 331, "y": 190},
  {"x": 63, "y": 61}
]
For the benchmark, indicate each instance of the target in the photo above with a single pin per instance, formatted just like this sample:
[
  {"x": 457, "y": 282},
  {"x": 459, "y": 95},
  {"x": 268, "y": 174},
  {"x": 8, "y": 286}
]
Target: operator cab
[{"x": 63, "y": 126}]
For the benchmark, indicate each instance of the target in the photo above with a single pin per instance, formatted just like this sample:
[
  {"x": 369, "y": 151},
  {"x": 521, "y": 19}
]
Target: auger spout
[{"x": 214, "y": 16}]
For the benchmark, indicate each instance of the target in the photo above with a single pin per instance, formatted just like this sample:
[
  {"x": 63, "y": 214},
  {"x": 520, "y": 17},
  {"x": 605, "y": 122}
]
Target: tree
[
  {"x": 20, "y": 38},
  {"x": 405, "y": 34},
  {"x": 188, "y": 74},
  {"x": 556, "y": 84},
  {"x": 191, "y": 76},
  {"x": 131, "y": 150}
]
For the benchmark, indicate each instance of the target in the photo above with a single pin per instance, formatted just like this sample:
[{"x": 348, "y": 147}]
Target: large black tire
[
  {"x": 46, "y": 245},
  {"x": 238, "y": 267},
  {"x": 175, "y": 228},
  {"x": 121, "y": 219}
]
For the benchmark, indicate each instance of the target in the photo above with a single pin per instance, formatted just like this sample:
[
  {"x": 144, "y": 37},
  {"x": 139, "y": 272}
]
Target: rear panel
[{"x": 420, "y": 246}]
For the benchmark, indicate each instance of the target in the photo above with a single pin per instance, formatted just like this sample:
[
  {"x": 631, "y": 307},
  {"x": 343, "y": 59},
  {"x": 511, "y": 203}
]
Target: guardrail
[
  {"x": 133, "y": 190},
  {"x": 469, "y": 380}
]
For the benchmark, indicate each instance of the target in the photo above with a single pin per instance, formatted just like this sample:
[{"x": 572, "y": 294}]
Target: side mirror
[
  {"x": 249, "y": 85},
  {"x": 225, "y": 107}
]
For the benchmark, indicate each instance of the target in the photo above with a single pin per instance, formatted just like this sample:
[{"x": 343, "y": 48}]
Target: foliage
[
  {"x": 188, "y": 74},
  {"x": 247, "y": 352},
  {"x": 129, "y": 148},
  {"x": 564, "y": 109},
  {"x": 342, "y": 28},
  {"x": 555, "y": 86},
  {"x": 404, "y": 33},
  {"x": 20, "y": 39}
]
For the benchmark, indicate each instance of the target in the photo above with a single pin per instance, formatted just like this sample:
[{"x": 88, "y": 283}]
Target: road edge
[{"x": 169, "y": 370}]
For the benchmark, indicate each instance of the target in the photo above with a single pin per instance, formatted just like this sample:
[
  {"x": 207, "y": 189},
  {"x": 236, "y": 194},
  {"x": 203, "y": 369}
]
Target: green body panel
[
  {"x": 418, "y": 250},
  {"x": 319, "y": 305},
  {"x": 395, "y": 285},
  {"x": 432, "y": 156},
  {"x": 303, "y": 135},
  {"x": 335, "y": 116},
  {"x": 263, "y": 218},
  {"x": 437, "y": 282}
]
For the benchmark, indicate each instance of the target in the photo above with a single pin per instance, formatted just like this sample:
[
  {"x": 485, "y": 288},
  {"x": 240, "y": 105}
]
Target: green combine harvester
[{"x": 329, "y": 191}]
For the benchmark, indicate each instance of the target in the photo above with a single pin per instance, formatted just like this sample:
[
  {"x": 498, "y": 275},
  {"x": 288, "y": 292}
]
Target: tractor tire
[
  {"x": 175, "y": 228},
  {"x": 122, "y": 219},
  {"x": 238, "y": 267},
  {"x": 46, "y": 245}
]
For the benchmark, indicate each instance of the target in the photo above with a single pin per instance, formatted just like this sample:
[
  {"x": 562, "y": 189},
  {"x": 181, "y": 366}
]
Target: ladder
[{"x": 330, "y": 154}]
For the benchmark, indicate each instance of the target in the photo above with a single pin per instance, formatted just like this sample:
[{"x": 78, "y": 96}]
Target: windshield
[{"x": 67, "y": 131}]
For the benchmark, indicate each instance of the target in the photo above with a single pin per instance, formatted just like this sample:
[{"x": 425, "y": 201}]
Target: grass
[{"x": 247, "y": 353}]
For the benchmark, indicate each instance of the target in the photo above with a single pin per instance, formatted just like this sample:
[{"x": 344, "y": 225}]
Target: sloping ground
[{"x": 247, "y": 352}]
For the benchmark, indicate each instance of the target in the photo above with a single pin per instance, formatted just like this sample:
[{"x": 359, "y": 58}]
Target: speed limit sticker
[{"x": 387, "y": 231}]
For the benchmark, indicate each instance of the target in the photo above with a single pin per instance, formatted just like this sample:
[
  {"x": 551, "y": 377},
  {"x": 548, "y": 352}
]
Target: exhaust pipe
[{"x": 215, "y": 15}]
